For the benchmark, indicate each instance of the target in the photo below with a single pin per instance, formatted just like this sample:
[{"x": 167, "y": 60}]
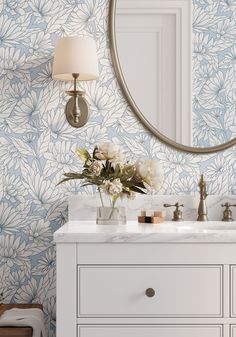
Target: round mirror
[{"x": 175, "y": 63}]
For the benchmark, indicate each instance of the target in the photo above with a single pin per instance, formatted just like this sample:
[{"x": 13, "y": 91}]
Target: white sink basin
[
  {"x": 190, "y": 227},
  {"x": 206, "y": 226},
  {"x": 223, "y": 226}
]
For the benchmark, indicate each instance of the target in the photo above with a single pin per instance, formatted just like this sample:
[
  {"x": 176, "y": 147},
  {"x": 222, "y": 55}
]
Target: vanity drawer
[
  {"x": 180, "y": 291},
  {"x": 151, "y": 331}
]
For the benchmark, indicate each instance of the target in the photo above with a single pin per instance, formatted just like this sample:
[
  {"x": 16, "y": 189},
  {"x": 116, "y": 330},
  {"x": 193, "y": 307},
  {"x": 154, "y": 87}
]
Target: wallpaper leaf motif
[{"x": 37, "y": 144}]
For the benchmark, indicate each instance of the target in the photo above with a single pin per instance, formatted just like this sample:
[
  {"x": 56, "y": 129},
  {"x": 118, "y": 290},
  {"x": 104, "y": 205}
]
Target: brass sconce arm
[{"x": 77, "y": 111}]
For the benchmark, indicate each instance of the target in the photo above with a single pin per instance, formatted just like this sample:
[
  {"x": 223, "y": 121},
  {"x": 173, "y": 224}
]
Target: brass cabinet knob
[{"x": 150, "y": 292}]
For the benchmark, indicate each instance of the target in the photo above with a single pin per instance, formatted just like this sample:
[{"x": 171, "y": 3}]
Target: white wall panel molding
[{"x": 173, "y": 80}]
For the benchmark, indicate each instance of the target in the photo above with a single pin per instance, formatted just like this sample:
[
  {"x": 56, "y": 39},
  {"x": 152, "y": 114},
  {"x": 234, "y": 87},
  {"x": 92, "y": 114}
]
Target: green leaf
[
  {"x": 74, "y": 175},
  {"x": 117, "y": 171},
  {"x": 83, "y": 154},
  {"x": 87, "y": 184},
  {"x": 134, "y": 182},
  {"x": 140, "y": 184},
  {"x": 94, "y": 153},
  {"x": 136, "y": 189},
  {"x": 64, "y": 180}
]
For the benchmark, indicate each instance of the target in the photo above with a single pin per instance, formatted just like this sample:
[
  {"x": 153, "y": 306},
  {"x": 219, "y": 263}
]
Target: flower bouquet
[{"x": 116, "y": 178}]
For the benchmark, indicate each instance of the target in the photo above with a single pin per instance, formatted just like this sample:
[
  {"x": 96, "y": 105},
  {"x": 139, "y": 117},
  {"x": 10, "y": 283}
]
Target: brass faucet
[
  {"x": 177, "y": 215},
  {"x": 202, "y": 208},
  {"x": 227, "y": 215}
]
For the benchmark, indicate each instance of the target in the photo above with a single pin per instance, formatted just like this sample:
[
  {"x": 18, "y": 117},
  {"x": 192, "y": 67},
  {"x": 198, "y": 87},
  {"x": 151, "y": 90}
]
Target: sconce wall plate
[{"x": 83, "y": 106}]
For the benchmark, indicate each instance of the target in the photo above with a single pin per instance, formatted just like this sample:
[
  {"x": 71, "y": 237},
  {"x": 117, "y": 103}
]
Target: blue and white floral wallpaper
[
  {"x": 214, "y": 72},
  {"x": 37, "y": 144}
]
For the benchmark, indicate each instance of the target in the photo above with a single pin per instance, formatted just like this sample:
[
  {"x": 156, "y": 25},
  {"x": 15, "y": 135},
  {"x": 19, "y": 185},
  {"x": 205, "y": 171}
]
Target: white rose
[
  {"x": 150, "y": 172},
  {"x": 109, "y": 151},
  {"x": 113, "y": 187},
  {"x": 96, "y": 167}
]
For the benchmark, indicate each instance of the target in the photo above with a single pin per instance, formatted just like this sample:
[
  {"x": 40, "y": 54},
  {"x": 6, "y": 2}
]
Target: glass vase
[
  {"x": 108, "y": 215},
  {"x": 108, "y": 212}
]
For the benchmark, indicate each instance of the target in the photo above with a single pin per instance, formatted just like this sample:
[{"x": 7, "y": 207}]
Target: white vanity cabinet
[{"x": 134, "y": 281}]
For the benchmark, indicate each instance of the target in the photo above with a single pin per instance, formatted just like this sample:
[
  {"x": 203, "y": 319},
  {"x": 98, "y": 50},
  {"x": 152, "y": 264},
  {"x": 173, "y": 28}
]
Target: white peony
[
  {"x": 113, "y": 187},
  {"x": 96, "y": 167},
  {"x": 109, "y": 151},
  {"x": 150, "y": 172}
]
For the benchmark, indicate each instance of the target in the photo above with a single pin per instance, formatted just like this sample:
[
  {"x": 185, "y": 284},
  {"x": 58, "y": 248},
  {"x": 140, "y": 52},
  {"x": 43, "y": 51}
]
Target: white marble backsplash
[{"x": 83, "y": 207}]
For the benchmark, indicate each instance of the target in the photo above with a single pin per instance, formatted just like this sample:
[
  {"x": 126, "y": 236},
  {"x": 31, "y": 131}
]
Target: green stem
[
  {"x": 101, "y": 197},
  {"x": 111, "y": 202},
  {"x": 112, "y": 211},
  {"x": 113, "y": 206}
]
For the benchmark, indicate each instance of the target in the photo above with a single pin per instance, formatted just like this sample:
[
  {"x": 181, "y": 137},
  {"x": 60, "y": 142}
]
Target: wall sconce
[{"x": 75, "y": 59}]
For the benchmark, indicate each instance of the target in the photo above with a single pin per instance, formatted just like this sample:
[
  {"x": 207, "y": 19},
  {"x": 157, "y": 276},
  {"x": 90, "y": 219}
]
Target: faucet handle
[
  {"x": 177, "y": 214},
  {"x": 227, "y": 214}
]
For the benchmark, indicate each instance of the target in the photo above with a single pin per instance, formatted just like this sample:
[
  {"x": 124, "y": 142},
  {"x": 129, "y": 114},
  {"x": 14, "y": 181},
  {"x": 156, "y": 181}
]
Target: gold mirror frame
[{"x": 134, "y": 107}]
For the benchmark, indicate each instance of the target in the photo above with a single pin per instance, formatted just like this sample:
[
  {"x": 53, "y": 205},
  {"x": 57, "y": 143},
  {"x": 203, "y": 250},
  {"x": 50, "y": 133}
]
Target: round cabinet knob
[{"x": 150, "y": 292}]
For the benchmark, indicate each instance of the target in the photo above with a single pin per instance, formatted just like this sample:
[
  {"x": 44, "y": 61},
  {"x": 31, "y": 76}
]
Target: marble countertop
[{"x": 168, "y": 231}]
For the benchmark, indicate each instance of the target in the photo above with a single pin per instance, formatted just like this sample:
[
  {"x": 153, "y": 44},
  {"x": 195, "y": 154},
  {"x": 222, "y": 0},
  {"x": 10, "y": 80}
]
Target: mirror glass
[{"x": 178, "y": 60}]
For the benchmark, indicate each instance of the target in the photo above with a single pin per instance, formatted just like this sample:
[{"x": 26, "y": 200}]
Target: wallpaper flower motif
[
  {"x": 214, "y": 79},
  {"x": 37, "y": 144}
]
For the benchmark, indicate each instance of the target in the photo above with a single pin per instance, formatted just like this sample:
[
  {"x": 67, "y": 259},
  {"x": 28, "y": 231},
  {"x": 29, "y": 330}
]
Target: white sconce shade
[
  {"x": 75, "y": 55},
  {"x": 75, "y": 59}
]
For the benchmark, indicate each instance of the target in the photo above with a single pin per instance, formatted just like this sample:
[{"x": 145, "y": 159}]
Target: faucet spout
[{"x": 202, "y": 208}]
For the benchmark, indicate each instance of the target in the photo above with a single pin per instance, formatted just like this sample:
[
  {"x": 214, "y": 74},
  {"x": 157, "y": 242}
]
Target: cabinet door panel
[
  {"x": 180, "y": 291},
  {"x": 150, "y": 42},
  {"x": 150, "y": 331},
  {"x": 233, "y": 330},
  {"x": 233, "y": 291}
]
